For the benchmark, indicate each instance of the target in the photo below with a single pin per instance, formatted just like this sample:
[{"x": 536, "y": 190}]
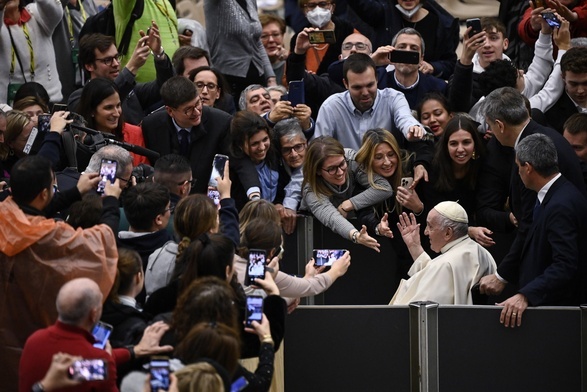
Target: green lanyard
[
  {"x": 70, "y": 22},
  {"x": 165, "y": 12},
  {"x": 15, "y": 56}
]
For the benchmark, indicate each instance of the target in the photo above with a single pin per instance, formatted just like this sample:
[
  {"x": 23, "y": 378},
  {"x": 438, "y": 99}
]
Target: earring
[{"x": 474, "y": 156}]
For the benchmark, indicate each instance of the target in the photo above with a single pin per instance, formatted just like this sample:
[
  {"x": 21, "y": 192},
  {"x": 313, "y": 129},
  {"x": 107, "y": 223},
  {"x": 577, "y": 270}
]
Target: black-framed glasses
[
  {"x": 275, "y": 36},
  {"x": 298, "y": 148},
  {"x": 358, "y": 45},
  {"x": 108, "y": 60},
  {"x": 332, "y": 170},
  {"x": 191, "y": 182},
  {"x": 210, "y": 86},
  {"x": 55, "y": 188},
  {"x": 322, "y": 4},
  {"x": 189, "y": 111},
  {"x": 126, "y": 180}
]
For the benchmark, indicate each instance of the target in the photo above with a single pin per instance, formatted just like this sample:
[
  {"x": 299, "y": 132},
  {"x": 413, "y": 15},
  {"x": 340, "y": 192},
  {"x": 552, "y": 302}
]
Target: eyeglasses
[
  {"x": 322, "y": 4},
  {"x": 298, "y": 148},
  {"x": 189, "y": 111},
  {"x": 275, "y": 36},
  {"x": 55, "y": 188},
  {"x": 210, "y": 86},
  {"x": 358, "y": 45},
  {"x": 191, "y": 182},
  {"x": 332, "y": 170},
  {"x": 170, "y": 209},
  {"x": 126, "y": 180},
  {"x": 108, "y": 60}
]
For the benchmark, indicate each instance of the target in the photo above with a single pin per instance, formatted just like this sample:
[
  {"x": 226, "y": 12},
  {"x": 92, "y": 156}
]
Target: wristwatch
[
  {"x": 355, "y": 236},
  {"x": 38, "y": 387}
]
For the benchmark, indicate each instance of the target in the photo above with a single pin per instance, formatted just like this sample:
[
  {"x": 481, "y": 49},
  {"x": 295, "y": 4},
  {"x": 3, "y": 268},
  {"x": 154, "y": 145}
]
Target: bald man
[
  {"x": 448, "y": 278},
  {"x": 79, "y": 307}
]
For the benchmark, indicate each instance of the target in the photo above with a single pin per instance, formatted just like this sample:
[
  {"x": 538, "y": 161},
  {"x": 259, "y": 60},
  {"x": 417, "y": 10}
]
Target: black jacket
[{"x": 208, "y": 138}]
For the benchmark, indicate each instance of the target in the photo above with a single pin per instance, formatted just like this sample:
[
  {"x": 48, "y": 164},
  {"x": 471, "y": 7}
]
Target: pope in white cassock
[{"x": 448, "y": 278}]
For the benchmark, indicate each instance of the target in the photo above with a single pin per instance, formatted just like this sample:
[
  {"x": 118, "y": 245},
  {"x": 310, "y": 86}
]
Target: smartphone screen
[
  {"x": 404, "y": 56},
  {"x": 327, "y": 256},
  {"x": 44, "y": 122},
  {"x": 107, "y": 173},
  {"x": 215, "y": 196},
  {"x": 552, "y": 20},
  {"x": 254, "y": 310},
  {"x": 240, "y": 384},
  {"x": 159, "y": 370},
  {"x": 217, "y": 169},
  {"x": 88, "y": 370},
  {"x": 255, "y": 266},
  {"x": 475, "y": 24},
  {"x": 296, "y": 93},
  {"x": 322, "y": 37},
  {"x": 101, "y": 333}
]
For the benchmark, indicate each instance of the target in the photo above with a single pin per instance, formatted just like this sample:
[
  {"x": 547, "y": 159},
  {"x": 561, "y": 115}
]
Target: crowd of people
[{"x": 114, "y": 207}]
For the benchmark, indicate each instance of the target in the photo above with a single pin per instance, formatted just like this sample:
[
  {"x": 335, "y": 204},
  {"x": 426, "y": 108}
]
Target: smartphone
[
  {"x": 475, "y": 24},
  {"x": 406, "y": 182},
  {"x": 552, "y": 20},
  {"x": 101, "y": 333},
  {"x": 107, "y": 173},
  {"x": 215, "y": 196},
  {"x": 159, "y": 371},
  {"x": 322, "y": 37},
  {"x": 59, "y": 107},
  {"x": 254, "y": 309},
  {"x": 404, "y": 56},
  {"x": 296, "y": 93},
  {"x": 44, "y": 122},
  {"x": 325, "y": 257},
  {"x": 30, "y": 141},
  {"x": 88, "y": 370},
  {"x": 217, "y": 169},
  {"x": 255, "y": 266},
  {"x": 240, "y": 384}
]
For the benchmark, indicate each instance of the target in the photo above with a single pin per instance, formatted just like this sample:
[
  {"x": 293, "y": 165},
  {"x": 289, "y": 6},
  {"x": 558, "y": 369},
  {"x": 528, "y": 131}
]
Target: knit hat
[{"x": 453, "y": 211}]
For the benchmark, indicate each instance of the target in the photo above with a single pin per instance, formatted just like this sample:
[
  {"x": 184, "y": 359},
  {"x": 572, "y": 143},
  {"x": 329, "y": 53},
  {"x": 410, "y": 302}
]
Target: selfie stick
[{"x": 150, "y": 154}]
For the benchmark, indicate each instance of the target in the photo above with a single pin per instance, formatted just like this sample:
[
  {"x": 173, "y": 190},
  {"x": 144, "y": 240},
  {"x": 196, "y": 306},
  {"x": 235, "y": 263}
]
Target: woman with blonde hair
[
  {"x": 331, "y": 176},
  {"x": 380, "y": 155}
]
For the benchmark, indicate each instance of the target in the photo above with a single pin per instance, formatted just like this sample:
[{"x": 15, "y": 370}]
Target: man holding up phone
[{"x": 79, "y": 307}]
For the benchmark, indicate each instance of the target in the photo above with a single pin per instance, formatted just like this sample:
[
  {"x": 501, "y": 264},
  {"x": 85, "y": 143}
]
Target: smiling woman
[
  {"x": 101, "y": 108},
  {"x": 251, "y": 139},
  {"x": 331, "y": 176}
]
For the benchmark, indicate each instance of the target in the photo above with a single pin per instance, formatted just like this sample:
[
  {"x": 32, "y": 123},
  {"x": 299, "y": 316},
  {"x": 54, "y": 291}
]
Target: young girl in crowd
[
  {"x": 458, "y": 157},
  {"x": 434, "y": 112},
  {"x": 331, "y": 175}
]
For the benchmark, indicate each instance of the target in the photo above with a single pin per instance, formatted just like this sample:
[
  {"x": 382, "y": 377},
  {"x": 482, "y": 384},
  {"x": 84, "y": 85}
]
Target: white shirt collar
[
  {"x": 128, "y": 301},
  {"x": 520, "y": 134},
  {"x": 407, "y": 87},
  {"x": 544, "y": 190}
]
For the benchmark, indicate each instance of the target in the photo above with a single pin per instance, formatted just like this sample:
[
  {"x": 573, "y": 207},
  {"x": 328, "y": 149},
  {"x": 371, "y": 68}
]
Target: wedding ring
[{"x": 513, "y": 314}]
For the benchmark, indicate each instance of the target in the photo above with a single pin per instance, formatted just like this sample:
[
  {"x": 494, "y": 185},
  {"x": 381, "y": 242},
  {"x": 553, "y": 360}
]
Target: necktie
[
  {"x": 536, "y": 211},
  {"x": 184, "y": 142}
]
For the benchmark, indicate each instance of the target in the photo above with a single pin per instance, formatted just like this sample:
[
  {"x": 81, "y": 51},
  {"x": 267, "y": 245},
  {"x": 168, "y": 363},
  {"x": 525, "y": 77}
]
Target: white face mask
[
  {"x": 319, "y": 17},
  {"x": 410, "y": 13}
]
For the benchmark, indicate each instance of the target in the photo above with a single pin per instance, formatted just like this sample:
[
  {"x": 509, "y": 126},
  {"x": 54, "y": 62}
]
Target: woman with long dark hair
[{"x": 101, "y": 107}]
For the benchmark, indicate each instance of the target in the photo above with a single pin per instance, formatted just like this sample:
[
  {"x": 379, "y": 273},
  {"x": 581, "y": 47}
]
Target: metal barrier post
[
  {"x": 305, "y": 244},
  {"x": 424, "y": 346},
  {"x": 583, "y": 347}
]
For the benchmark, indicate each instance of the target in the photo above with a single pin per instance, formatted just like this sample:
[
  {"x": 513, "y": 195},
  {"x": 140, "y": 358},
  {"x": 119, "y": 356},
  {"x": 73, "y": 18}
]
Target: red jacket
[
  {"x": 40, "y": 347},
  {"x": 578, "y": 28},
  {"x": 133, "y": 134}
]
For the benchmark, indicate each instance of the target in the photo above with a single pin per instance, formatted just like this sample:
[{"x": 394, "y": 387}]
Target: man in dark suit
[
  {"x": 574, "y": 99},
  {"x": 197, "y": 132},
  {"x": 553, "y": 261},
  {"x": 508, "y": 119}
]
